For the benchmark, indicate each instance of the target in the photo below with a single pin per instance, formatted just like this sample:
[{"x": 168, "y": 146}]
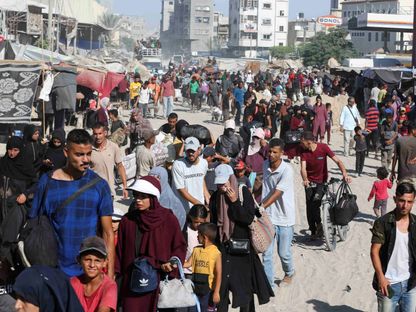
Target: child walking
[
  {"x": 360, "y": 150},
  {"x": 379, "y": 190},
  {"x": 207, "y": 267}
]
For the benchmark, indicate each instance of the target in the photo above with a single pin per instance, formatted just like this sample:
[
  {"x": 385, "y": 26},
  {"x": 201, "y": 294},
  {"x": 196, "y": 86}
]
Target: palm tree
[{"x": 112, "y": 23}]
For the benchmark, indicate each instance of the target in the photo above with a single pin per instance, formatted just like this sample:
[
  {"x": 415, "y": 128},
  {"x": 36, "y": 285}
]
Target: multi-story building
[
  {"x": 257, "y": 25},
  {"x": 336, "y": 8},
  {"x": 302, "y": 30},
  {"x": 365, "y": 41},
  {"x": 221, "y": 30},
  {"x": 168, "y": 8},
  {"x": 190, "y": 28}
]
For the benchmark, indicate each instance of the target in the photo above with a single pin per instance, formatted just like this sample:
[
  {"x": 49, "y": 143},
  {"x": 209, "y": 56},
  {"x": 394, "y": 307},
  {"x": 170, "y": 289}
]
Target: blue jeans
[
  {"x": 283, "y": 238},
  {"x": 168, "y": 105},
  {"x": 406, "y": 299}
]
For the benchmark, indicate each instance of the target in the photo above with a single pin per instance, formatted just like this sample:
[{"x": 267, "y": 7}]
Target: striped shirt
[
  {"x": 371, "y": 118},
  {"x": 77, "y": 220}
]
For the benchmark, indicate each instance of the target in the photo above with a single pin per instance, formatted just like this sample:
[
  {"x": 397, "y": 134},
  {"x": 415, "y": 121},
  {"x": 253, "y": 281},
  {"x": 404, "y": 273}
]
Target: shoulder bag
[
  {"x": 355, "y": 118},
  {"x": 346, "y": 207},
  {"x": 177, "y": 293},
  {"x": 262, "y": 231},
  {"x": 37, "y": 243}
]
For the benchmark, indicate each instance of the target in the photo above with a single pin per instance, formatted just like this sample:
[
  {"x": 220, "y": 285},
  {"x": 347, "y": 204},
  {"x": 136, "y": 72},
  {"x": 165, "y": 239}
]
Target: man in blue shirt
[
  {"x": 87, "y": 214},
  {"x": 239, "y": 101}
]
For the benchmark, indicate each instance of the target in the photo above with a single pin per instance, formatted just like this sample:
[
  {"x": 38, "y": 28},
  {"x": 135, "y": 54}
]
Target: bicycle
[{"x": 330, "y": 229}]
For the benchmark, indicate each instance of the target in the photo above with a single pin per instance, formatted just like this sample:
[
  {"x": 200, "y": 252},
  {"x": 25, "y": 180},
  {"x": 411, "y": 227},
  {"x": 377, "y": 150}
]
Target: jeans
[
  {"x": 406, "y": 299},
  {"x": 359, "y": 161},
  {"x": 167, "y": 105},
  {"x": 348, "y": 134},
  {"x": 386, "y": 158},
  {"x": 144, "y": 108},
  {"x": 194, "y": 101},
  {"x": 374, "y": 139},
  {"x": 283, "y": 238}
]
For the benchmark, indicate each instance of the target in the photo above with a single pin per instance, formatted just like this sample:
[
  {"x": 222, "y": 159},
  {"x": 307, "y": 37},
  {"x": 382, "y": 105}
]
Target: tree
[
  {"x": 110, "y": 22},
  {"x": 281, "y": 52},
  {"x": 324, "y": 46}
]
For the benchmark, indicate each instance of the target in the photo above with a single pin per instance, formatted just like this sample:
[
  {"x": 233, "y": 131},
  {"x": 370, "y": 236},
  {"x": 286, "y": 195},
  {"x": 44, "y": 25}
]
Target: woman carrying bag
[
  {"x": 242, "y": 271},
  {"x": 149, "y": 236}
]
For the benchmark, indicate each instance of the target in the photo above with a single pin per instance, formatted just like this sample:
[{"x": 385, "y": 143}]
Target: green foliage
[
  {"x": 110, "y": 21},
  {"x": 128, "y": 43},
  {"x": 43, "y": 44},
  {"x": 281, "y": 52},
  {"x": 324, "y": 46}
]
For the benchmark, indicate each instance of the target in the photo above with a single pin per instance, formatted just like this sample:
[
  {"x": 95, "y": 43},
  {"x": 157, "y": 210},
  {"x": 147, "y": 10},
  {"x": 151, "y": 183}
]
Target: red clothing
[
  {"x": 169, "y": 89},
  {"x": 296, "y": 123},
  {"x": 161, "y": 239},
  {"x": 123, "y": 86},
  {"x": 372, "y": 117},
  {"x": 316, "y": 165},
  {"x": 380, "y": 189},
  {"x": 104, "y": 296}
]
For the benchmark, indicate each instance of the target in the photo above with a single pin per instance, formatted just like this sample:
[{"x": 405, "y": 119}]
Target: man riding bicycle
[{"x": 314, "y": 172}]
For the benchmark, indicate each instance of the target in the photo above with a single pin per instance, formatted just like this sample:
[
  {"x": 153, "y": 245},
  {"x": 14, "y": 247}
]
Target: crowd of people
[{"x": 197, "y": 201}]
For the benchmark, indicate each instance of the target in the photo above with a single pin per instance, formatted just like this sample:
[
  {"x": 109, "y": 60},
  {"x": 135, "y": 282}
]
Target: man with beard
[
  {"x": 188, "y": 175},
  {"x": 83, "y": 216}
]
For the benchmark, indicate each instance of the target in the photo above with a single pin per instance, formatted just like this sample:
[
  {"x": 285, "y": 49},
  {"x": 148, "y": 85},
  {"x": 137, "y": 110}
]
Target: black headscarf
[
  {"x": 20, "y": 167},
  {"x": 47, "y": 288},
  {"x": 56, "y": 154},
  {"x": 28, "y": 132}
]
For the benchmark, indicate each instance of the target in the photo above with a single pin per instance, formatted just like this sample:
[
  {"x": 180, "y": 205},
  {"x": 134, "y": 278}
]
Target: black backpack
[{"x": 37, "y": 240}]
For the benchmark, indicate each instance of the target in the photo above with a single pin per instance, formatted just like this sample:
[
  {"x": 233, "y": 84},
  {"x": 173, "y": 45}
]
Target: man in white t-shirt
[
  {"x": 188, "y": 175},
  {"x": 393, "y": 253},
  {"x": 144, "y": 97},
  {"x": 278, "y": 198}
]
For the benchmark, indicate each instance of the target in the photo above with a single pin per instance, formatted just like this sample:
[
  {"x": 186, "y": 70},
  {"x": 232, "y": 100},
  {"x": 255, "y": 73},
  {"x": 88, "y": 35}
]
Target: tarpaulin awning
[
  {"x": 31, "y": 53},
  {"x": 101, "y": 82},
  {"x": 388, "y": 75}
]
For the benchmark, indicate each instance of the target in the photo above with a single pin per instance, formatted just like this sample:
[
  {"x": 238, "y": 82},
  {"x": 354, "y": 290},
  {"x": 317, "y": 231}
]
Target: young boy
[
  {"x": 206, "y": 267},
  {"x": 360, "y": 150},
  {"x": 94, "y": 289},
  {"x": 329, "y": 122}
]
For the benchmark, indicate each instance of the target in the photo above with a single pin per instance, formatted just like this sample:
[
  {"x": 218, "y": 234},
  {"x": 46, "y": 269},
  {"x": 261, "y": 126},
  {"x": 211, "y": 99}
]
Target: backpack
[
  {"x": 261, "y": 229},
  {"x": 37, "y": 242}
]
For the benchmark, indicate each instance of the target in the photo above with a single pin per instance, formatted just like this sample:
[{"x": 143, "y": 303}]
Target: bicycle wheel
[
  {"x": 342, "y": 232},
  {"x": 330, "y": 230}
]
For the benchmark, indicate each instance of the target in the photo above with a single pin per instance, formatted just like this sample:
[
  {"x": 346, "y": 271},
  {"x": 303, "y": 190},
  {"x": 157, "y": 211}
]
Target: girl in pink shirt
[{"x": 379, "y": 190}]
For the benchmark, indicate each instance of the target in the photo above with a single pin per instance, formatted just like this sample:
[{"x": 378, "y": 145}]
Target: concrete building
[
  {"x": 366, "y": 41},
  {"x": 168, "y": 8},
  {"x": 257, "y": 25},
  {"x": 132, "y": 27},
  {"x": 336, "y": 8},
  {"x": 190, "y": 28},
  {"x": 302, "y": 30},
  {"x": 220, "y": 31}
]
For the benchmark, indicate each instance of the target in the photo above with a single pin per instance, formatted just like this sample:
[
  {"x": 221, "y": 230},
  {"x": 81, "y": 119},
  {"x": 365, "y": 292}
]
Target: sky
[{"x": 150, "y": 9}]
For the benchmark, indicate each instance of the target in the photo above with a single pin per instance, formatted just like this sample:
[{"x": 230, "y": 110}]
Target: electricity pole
[{"x": 50, "y": 36}]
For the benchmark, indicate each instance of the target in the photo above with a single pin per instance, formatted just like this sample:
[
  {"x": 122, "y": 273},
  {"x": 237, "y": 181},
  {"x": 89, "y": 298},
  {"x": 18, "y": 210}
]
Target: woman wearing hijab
[
  {"x": 158, "y": 236},
  {"x": 54, "y": 156},
  {"x": 229, "y": 143},
  {"x": 242, "y": 274},
  {"x": 102, "y": 111},
  {"x": 168, "y": 199},
  {"x": 320, "y": 120},
  {"x": 33, "y": 148},
  {"x": 254, "y": 159},
  {"x": 286, "y": 112},
  {"x": 17, "y": 177},
  {"x": 44, "y": 289}
]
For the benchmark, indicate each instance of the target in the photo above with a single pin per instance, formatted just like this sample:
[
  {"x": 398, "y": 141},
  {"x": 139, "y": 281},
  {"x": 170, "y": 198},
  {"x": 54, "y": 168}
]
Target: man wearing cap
[
  {"x": 144, "y": 156},
  {"x": 229, "y": 144},
  {"x": 314, "y": 172},
  {"x": 105, "y": 156},
  {"x": 188, "y": 175}
]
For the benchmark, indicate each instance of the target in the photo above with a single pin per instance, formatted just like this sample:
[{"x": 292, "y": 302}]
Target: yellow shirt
[
  {"x": 203, "y": 261},
  {"x": 134, "y": 89}
]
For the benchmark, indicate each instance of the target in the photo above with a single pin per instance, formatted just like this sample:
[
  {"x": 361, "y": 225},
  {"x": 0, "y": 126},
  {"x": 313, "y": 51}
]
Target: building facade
[
  {"x": 257, "y": 25},
  {"x": 220, "y": 31},
  {"x": 367, "y": 42},
  {"x": 302, "y": 30}
]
